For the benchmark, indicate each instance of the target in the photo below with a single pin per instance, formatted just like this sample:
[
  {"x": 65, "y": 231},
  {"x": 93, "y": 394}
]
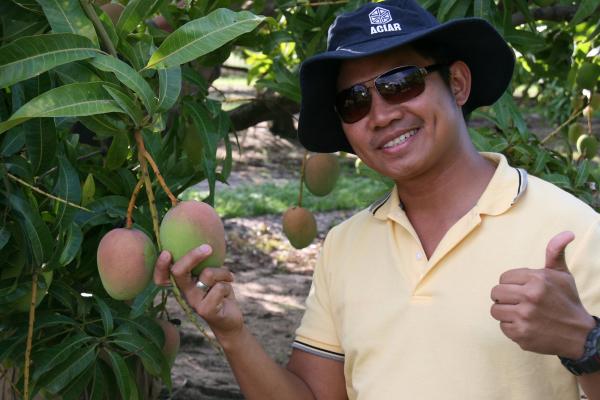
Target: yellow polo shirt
[{"x": 408, "y": 327}]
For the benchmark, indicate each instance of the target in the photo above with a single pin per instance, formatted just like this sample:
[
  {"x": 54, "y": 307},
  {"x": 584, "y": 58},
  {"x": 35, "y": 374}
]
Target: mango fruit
[
  {"x": 125, "y": 260},
  {"x": 321, "y": 172},
  {"x": 191, "y": 224},
  {"x": 172, "y": 341},
  {"x": 299, "y": 226},
  {"x": 113, "y": 10}
]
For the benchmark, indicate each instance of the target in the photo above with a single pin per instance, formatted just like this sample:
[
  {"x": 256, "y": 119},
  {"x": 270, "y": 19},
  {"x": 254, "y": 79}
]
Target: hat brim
[{"x": 472, "y": 40}]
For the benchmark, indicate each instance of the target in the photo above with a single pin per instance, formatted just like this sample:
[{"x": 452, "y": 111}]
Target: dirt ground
[{"x": 272, "y": 278}]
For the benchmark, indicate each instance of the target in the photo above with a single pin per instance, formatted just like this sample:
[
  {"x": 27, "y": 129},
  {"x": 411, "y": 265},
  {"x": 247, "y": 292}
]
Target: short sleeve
[{"x": 317, "y": 333}]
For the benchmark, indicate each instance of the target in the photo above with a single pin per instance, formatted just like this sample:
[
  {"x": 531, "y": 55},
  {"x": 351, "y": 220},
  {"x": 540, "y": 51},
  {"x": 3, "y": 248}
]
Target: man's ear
[{"x": 460, "y": 82}]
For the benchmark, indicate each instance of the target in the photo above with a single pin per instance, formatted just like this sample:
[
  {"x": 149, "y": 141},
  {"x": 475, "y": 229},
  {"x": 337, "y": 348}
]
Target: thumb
[{"x": 555, "y": 251}]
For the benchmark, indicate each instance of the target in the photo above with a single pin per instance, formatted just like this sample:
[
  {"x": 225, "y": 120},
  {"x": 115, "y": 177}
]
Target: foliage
[{"x": 79, "y": 97}]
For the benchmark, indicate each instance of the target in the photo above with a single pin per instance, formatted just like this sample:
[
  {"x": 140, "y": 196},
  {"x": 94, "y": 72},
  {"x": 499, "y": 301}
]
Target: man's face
[{"x": 403, "y": 141}]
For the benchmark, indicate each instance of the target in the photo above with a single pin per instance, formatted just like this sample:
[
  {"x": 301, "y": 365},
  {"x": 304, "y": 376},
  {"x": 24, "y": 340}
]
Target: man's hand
[
  {"x": 217, "y": 305},
  {"x": 540, "y": 309}
]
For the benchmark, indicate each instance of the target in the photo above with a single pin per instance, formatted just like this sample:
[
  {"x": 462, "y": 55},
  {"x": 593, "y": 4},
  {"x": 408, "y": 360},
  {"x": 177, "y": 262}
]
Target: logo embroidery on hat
[{"x": 381, "y": 18}]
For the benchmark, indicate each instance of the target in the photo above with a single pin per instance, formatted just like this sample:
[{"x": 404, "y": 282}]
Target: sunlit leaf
[
  {"x": 29, "y": 56},
  {"x": 71, "y": 100},
  {"x": 128, "y": 76},
  {"x": 201, "y": 36},
  {"x": 68, "y": 16}
]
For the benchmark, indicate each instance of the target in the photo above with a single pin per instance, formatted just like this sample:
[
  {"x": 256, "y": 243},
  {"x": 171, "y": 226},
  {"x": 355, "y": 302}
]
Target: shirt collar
[{"x": 505, "y": 188}]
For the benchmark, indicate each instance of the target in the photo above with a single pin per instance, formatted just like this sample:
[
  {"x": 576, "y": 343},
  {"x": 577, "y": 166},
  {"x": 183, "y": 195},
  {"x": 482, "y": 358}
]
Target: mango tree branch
[
  {"x": 159, "y": 177},
  {"x": 34, "y": 280},
  {"x": 132, "y": 200},
  {"x": 22, "y": 182},
  {"x": 568, "y": 121},
  {"x": 152, "y": 203},
  {"x": 91, "y": 13}
]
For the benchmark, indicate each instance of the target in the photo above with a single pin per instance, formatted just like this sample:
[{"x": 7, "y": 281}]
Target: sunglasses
[{"x": 395, "y": 86}]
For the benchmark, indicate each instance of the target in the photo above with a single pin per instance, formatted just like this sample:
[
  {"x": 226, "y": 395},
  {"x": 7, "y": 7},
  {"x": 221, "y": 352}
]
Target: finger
[
  {"x": 161, "y": 269},
  {"x": 210, "y": 276},
  {"x": 214, "y": 301},
  {"x": 555, "y": 251},
  {"x": 509, "y": 329},
  {"x": 182, "y": 269},
  {"x": 503, "y": 312},
  {"x": 518, "y": 276},
  {"x": 507, "y": 294}
]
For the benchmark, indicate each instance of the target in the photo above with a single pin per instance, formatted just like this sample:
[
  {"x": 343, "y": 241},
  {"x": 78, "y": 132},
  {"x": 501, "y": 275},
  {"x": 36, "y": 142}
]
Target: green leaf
[
  {"x": 126, "y": 103},
  {"x": 586, "y": 8},
  {"x": 583, "y": 172},
  {"x": 118, "y": 151},
  {"x": 133, "y": 14},
  {"x": 124, "y": 378},
  {"x": 76, "y": 388},
  {"x": 98, "y": 384},
  {"x": 149, "y": 353},
  {"x": 14, "y": 29},
  {"x": 104, "y": 125},
  {"x": 38, "y": 236},
  {"x": 41, "y": 140},
  {"x": 67, "y": 188},
  {"x": 143, "y": 300},
  {"x": 4, "y": 236},
  {"x": 105, "y": 313},
  {"x": 51, "y": 357},
  {"x": 68, "y": 16},
  {"x": 88, "y": 190},
  {"x": 73, "y": 244},
  {"x": 71, "y": 369},
  {"x": 13, "y": 142},
  {"x": 201, "y": 36},
  {"x": 128, "y": 76},
  {"x": 169, "y": 87},
  {"x": 76, "y": 99},
  {"x": 30, "y": 56},
  {"x": 75, "y": 72}
]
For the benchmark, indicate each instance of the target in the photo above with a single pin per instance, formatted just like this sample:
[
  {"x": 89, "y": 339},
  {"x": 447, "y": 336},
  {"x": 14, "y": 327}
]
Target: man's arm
[
  {"x": 307, "y": 377},
  {"x": 541, "y": 311}
]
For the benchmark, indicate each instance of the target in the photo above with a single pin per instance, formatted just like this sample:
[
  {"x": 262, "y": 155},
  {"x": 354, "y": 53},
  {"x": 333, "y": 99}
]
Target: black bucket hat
[{"x": 377, "y": 27}]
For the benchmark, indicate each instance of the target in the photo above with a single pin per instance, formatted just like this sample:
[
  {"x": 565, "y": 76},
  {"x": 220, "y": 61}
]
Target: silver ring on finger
[{"x": 202, "y": 285}]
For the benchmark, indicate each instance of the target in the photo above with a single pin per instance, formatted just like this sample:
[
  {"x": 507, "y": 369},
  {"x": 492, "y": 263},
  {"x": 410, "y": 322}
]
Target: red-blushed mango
[
  {"x": 113, "y": 10},
  {"x": 125, "y": 260},
  {"x": 299, "y": 226},
  {"x": 191, "y": 224},
  {"x": 321, "y": 172},
  {"x": 172, "y": 340}
]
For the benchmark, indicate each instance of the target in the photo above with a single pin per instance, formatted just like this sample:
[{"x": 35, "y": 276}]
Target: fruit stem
[
  {"x": 161, "y": 180},
  {"x": 192, "y": 317},
  {"x": 132, "y": 200},
  {"x": 34, "y": 280},
  {"x": 568, "y": 121},
  {"x": 148, "y": 185},
  {"x": 302, "y": 178}
]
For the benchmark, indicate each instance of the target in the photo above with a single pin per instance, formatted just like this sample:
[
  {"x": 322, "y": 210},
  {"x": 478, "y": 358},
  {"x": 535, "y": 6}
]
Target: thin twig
[
  {"x": 132, "y": 200},
  {"x": 91, "y": 13},
  {"x": 159, "y": 177},
  {"x": 568, "y": 121},
  {"x": 302, "y": 178},
  {"x": 22, "y": 182},
  {"x": 34, "y": 280}
]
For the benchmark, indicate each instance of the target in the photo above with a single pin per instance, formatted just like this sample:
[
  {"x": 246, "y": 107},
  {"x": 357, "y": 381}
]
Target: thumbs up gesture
[{"x": 540, "y": 309}]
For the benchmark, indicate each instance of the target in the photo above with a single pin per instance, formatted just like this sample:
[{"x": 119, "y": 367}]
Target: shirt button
[{"x": 419, "y": 255}]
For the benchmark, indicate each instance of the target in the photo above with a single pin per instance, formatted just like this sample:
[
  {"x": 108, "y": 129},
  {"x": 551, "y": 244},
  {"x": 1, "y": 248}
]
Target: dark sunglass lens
[
  {"x": 353, "y": 104},
  {"x": 400, "y": 85}
]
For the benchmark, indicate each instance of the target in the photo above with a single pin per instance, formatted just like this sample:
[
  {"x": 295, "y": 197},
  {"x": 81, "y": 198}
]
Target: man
[{"x": 400, "y": 302}]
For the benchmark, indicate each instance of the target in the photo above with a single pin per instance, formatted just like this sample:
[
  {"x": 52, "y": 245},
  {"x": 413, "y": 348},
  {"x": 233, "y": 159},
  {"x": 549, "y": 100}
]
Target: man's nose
[{"x": 382, "y": 112}]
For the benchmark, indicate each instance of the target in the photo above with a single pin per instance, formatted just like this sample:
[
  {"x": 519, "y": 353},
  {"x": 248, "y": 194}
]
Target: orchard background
[{"x": 101, "y": 110}]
